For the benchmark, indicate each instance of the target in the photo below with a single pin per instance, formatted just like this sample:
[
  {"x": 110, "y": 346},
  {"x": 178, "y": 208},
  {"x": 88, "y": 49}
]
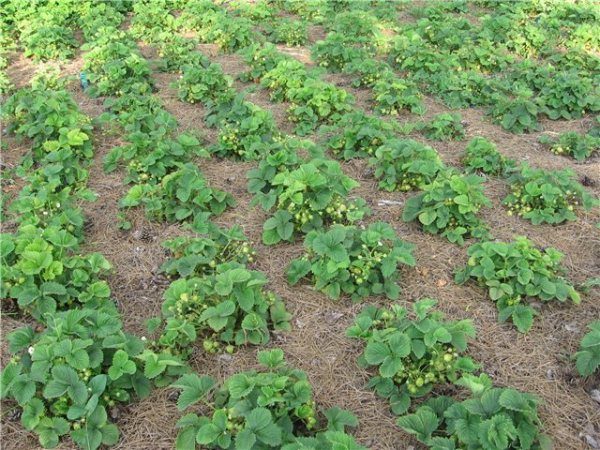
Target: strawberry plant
[
  {"x": 315, "y": 103},
  {"x": 67, "y": 377},
  {"x": 357, "y": 135},
  {"x": 95, "y": 18},
  {"x": 231, "y": 34},
  {"x": 444, "y": 127},
  {"x": 448, "y": 206},
  {"x": 518, "y": 114},
  {"x": 149, "y": 160},
  {"x": 515, "y": 271},
  {"x": 177, "y": 52},
  {"x": 404, "y": 165},
  {"x": 571, "y": 143},
  {"x": 567, "y": 95},
  {"x": 141, "y": 114},
  {"x": 113, "y": 63},
  {"x": 44, "y": 42},
  {"x": 312, "y": 196},
  {"x": 272, "y": 408},
  {"x": 25, "y": 110},
  {"x": 392, "y": 95},
  {"x": 281, "y": 157},
  {"x": 481, "y": 155},
  {"x": 43, "y": 272},
  {"x": 180, "y": 196},
  {"x": 336, "y": 51},
  {"x": 543, "y": 196},
  {"x": 412, "y": 355},
  {"x": 40, "y": 204},
  {"x": 261, "y": 59},
  {"x": 490, "y": 418},
  {"x": 289, "y": 32},
  {"x": 369, "y": 71},
  {"x": 287, "y": 76},
  {"x": 352, "y": 261},
  {"x": 226, "y": 308},
  {"x": 198, "y": 16},
  {"x": 248, "y": 138},
  {"x": 588, "y": 357},
  {"x": 204, "y": 85},
  {"x": 199, "y": 256},
  {"x": 315, "y": 11},
  {"x": 462, "y": 89}
]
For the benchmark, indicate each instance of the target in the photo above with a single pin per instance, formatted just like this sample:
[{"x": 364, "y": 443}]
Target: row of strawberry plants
[
  {"x": 48, "y": 31},
  {"x": 68, "y": 375}
]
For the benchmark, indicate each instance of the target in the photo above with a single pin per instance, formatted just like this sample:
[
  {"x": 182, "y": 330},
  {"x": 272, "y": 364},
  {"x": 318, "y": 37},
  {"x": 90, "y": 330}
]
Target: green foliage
[
  {"x": 45, "y": 42},
  {"x": 571, "y": 143},
  {"x": 491, "y": 418},
  {"x": 289, "y": 32},
  {"x": 357, "y": 135},
  {"x": 515, "y": 271},
  {"x": 566, "y": 95},
  {"x": 231, "y": 34},
  {"x": 518, "y": 114},
  {"x": 311, "y": 197},
  {"x": 261, "y": 59},
  {"x": 404, "y": 165},
  {"x": 68, "y": 376},
  {"x": 199, "y": 256},
  {"x": 481, "y": 155},
  {"x": 182, "y": 195},
  {"x": 177, "y": 52},
  {"x": 315, "y": 103},
  {"x": 270, "y": 408},
  {"x": 444, "y": 127},
  {"x": 369, "y": 71},
  {"x": 448, "y": 206},
  {"x": 588, "y": 356},
  {"x": 282, "y": 157},
  {"x": 226, "y": 306},
  {"x": 289, "y": 75},
  {"x": 336, "y": 51},
  {"x": 44, "y": 272},
  {"x": 28, "y": 108},
  {"x": 543, "y": 196},
  {"x": 204, "y": 85},
  {"x": 248, "y": 138},
  {"x": 114, "y": 63},
  {"x": 352, "y": 261},
  {"x": 392, "y": 95},
  {"x": 412, "y": 355},
  {"x": 149, "y": 160}
]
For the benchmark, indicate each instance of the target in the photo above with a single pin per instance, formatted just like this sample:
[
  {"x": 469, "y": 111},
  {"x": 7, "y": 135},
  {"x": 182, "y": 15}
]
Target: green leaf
[
  {"x": 422, "y": 423},
  {"x": 271, "y": 358},
  {"x": 298, "y": 269},
  {"x": 193, "y": 389},
  {"x": 522, "y": 317},
  {"x": 208, "y": 434},
  {"x": 376, "y": 352}
]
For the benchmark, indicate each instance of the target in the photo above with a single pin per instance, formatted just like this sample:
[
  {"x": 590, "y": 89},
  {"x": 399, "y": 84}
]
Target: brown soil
[{"x": 537, "y": 362}]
